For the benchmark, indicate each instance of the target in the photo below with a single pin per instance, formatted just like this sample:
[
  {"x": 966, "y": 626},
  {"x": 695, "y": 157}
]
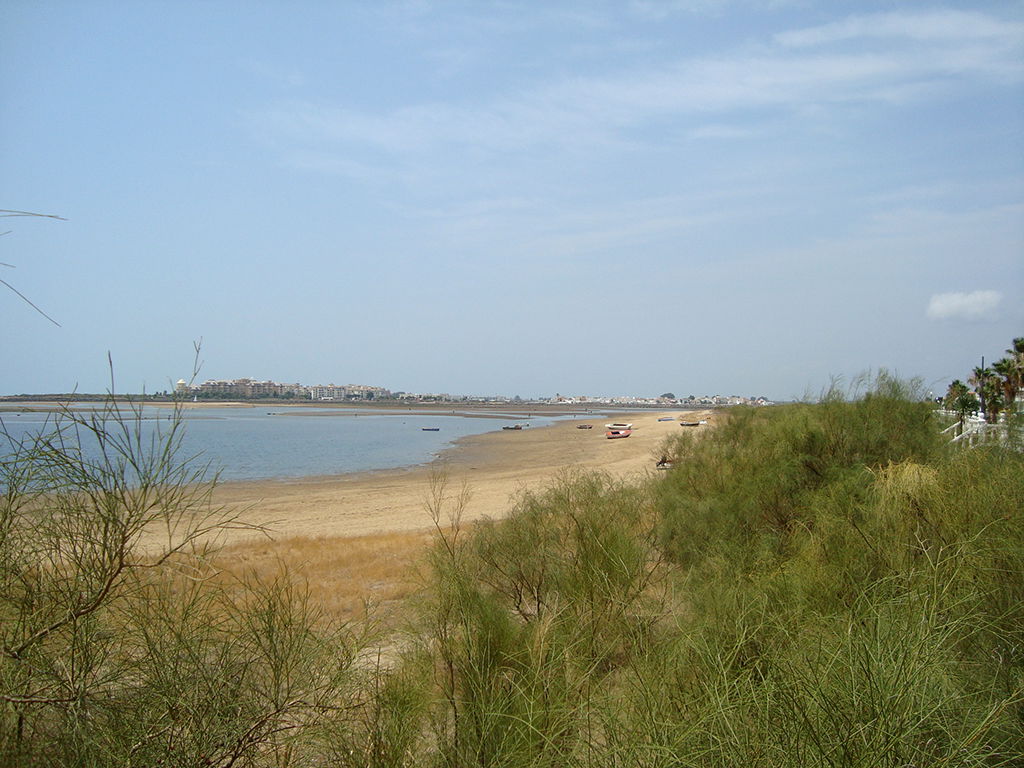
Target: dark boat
[{"x": 431, "y": 429}]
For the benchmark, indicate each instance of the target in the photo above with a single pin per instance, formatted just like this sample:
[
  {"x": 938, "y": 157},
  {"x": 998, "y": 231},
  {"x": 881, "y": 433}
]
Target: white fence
[{"x": 975, "y": 431}]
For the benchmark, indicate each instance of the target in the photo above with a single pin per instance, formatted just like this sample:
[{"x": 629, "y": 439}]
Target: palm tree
[
  {"x": 955, "y": 390},
  {"x": 1016, "y": 355},
  {"x": 992, "y": 395},
  {"x": 979, "y": 379},
  {"x": 1009, "y": 370},
  {"x": 961, "y": 400}
]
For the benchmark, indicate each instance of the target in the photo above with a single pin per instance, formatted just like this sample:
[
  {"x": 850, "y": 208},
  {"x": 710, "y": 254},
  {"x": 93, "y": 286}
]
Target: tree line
[{"x": 995, "y": 387}]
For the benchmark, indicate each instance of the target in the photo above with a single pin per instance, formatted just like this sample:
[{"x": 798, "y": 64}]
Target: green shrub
[
  {"x": 117, "y": 649},
  {"x": 814, "y": 585}
]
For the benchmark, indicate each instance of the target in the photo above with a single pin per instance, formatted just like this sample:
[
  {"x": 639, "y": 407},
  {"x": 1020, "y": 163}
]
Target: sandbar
[{"x": 493, "y": 468}]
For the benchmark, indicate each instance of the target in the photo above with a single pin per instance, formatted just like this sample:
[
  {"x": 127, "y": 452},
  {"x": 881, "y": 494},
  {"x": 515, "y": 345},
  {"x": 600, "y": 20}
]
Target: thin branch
[
  {"x": 27, "y": 301},
  {"x": 72, "y": 615},
  {"x": 37, "y": 699},
  {"x": 5, "y": 214}
]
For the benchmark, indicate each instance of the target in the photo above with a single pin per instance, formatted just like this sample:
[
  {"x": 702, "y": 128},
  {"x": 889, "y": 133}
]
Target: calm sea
[{"x": 257, "y": 443}]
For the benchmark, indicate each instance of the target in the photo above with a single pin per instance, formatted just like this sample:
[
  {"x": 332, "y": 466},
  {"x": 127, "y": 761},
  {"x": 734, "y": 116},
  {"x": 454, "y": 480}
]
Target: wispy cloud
[
  {"x": 529, "y": 233},
  {"x": 801, "y": 72},
  {"x": 660, "y": 9},
  {"x": 930, "y": 26},
  {"x": 976, "y": 305}
]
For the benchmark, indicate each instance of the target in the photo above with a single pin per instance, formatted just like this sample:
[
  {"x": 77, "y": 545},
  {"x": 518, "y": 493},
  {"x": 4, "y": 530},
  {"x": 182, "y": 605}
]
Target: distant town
[{"x": 252, "y": 389}]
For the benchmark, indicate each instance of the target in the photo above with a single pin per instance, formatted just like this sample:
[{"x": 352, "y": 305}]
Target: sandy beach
[{"x": 494, "y": 467}]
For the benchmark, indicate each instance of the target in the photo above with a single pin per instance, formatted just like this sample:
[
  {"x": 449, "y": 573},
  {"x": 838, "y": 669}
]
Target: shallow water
[{"x": 257, "y": 443}]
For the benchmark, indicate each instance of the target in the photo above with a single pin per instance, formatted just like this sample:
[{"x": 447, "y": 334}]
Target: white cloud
[
  {"x": 661, "y": 9},
  {"x": 801, "y": 73},
  {"x": 927, "y": 26},
  {"x": 976, "y": 305}
]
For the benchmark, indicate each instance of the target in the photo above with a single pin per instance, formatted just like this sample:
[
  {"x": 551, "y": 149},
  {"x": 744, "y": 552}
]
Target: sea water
[{"x": 243, "y": 443}]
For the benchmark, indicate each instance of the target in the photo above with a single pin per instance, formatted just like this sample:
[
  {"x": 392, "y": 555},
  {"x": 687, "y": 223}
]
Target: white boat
[{"x": 618, "y": 425}]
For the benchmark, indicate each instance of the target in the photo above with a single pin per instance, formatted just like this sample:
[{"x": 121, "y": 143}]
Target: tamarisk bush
[
  {"x": 822, "y": 584},
  {"x": 116, "y": 645}
]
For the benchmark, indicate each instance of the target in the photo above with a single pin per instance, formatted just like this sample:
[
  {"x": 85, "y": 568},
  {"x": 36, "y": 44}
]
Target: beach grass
[{"x": 349, "y": 577}]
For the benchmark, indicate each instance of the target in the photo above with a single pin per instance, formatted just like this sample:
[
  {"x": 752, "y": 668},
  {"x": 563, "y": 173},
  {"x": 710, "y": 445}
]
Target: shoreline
[{"x": 493, "y": 466}]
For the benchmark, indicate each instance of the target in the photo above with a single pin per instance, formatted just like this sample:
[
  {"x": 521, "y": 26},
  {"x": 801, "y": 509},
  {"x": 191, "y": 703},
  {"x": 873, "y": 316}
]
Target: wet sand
[{"x": 493, "y": 467}]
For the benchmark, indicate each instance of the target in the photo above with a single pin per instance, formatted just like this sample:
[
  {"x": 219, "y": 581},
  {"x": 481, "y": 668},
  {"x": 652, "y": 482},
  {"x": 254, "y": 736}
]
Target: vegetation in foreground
[{"x": 813, "y": 585}]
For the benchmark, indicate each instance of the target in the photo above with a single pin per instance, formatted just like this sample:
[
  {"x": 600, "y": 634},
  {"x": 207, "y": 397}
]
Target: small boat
[
  {"x": 611, "y": 434},
  {"x": 666, "y": 418},
  {"x": 664, "y": 464},
  {"x": 431, "y": 429},
  {"x": 618, "y": 425},
  {"x": 514, "y": 426},
  {"x": 584, "y": 426},
  {"x": 690, "y": 423}
]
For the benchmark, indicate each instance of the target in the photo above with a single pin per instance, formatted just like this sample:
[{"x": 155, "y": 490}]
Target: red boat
[{"x": 611, "y": 434}]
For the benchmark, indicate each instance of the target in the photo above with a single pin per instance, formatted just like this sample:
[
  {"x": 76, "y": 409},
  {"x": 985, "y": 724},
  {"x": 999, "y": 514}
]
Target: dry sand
[{"x": 494, "y": 467}]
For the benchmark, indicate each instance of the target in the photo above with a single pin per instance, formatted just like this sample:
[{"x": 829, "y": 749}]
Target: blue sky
[{"x": 733, "y": 196}]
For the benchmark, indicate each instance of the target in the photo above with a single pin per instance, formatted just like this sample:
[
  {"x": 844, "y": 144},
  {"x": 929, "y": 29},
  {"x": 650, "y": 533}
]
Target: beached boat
[
  {"x": 431, "y": 429},
  {"x": 667, "y": 418},
  {"x": 514, "y": 426},
  {"x": 584, "y": 426},
  {"x": 689, "y": 423},
  {"x": 611, "y": 434},
  {"x": 619, "y": 425}
]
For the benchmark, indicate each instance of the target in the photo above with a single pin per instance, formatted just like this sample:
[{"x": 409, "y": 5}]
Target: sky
[{"x": 752, "y": 197}]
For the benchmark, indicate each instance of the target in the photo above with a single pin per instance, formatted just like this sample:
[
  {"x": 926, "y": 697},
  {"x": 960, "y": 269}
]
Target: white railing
[{"x": 975, "y": 431}]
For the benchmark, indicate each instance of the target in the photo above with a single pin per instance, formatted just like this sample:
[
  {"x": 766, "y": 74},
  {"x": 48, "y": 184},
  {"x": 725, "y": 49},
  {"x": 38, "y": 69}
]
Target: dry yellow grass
[{"x": 344, "y": 575}]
